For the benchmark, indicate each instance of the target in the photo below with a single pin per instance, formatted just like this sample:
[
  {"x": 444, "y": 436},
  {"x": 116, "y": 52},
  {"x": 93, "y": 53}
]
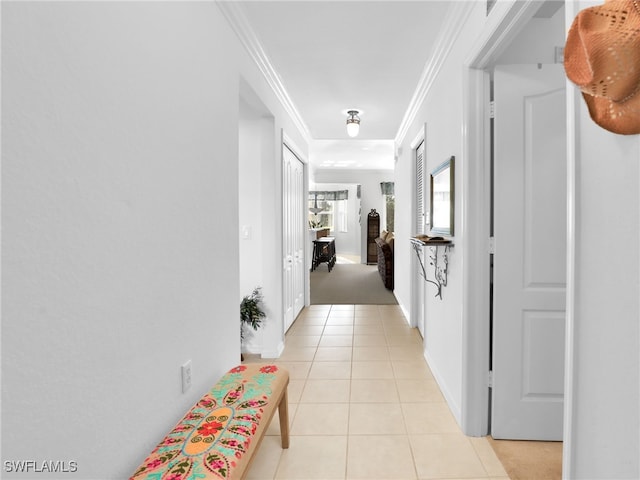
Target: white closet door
[{"x": 294, "y": 234}]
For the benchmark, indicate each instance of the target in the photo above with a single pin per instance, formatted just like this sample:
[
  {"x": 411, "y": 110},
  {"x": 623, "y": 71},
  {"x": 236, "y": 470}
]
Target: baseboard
[
  {"x": 274, "y": 353},
  {"x": 405, "y": 312},
  {"x": 453, "y": 406}
]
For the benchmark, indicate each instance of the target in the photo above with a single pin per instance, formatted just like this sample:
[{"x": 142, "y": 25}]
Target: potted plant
[{"x": 251, "y": 312}]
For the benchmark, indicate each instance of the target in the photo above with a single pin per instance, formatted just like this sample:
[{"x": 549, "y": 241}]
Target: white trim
[
  {"x": 418, "y": 305},
  {"x": 569, "y": 354},
  {"x": 476, "y": 266},
  {"x": 419, "y": 138},
  {"x": 297, "y": 151},
  {"x": 506, "y": 20},
  {"x": 405, "y": 312},
  {"x": 571, "y": 10},
  {"x": 234, "y": 13},
  {"x": 457, "y": 15},
  {"x": 274, "y": 353},
  {"x": 454, "y": 407}
]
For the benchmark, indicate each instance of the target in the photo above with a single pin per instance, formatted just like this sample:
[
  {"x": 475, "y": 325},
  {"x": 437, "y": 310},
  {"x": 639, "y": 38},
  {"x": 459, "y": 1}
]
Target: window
[
  {"x": 329, "y": 210},
  {"x": 340, "y": 216},
  {"x": 388, "y": 193}
]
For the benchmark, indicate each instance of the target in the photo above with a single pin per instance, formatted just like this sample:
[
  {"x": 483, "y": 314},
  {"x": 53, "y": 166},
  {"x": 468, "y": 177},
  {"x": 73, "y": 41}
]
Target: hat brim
[{"x": 617, "y": 117}]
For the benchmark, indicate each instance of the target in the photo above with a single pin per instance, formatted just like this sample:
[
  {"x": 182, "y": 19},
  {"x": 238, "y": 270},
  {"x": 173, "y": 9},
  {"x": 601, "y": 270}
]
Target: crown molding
[
  {"x": 236, "y": 17},
  {"x": 457, "y": 15}
]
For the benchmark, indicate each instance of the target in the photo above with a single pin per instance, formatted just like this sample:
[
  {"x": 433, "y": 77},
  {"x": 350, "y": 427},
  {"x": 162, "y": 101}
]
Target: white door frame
[
  {"x": 476, "y": 268},
  {"x": 504, "y": 23},
  {"x": 571, "y": 10}
]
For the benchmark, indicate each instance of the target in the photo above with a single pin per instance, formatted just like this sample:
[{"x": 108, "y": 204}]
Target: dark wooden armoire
[{"x": 373, "y": 232}]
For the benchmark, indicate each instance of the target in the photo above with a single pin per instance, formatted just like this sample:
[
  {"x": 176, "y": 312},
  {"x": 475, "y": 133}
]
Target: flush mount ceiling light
[{"x": 353, "y": 123}]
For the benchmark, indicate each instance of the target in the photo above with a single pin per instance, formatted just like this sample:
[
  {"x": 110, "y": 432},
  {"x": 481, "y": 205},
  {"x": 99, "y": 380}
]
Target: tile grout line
[{"x": 315, "y": 360}]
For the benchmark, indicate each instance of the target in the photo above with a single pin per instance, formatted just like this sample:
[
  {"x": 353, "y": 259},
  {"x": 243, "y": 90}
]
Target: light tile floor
[{"x": 363, "y": 404}]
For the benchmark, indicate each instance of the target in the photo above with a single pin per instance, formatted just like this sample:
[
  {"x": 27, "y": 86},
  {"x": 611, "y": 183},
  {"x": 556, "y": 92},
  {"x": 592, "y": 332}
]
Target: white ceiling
[
  {"x": 352, "y": 154},
  {"x": 332, "y": 56}
]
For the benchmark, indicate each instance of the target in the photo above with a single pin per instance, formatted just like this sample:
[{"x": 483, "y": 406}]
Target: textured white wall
[
  {"x": 120, "y": 245},
  {"x": 603, "y": 414},
  {"x": 249, "y": 202},
  {"x": 606, "y": 409},
  {"x": 257, "y": 160},
  {"x": 112, "y": 259}
]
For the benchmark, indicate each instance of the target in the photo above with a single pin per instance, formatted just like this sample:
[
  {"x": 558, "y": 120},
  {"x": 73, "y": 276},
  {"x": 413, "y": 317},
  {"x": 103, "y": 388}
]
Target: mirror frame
[{"x": 444, "y": 173}]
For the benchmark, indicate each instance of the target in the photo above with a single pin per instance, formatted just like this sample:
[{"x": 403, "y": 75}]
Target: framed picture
[{"x": 442, "y": 198}]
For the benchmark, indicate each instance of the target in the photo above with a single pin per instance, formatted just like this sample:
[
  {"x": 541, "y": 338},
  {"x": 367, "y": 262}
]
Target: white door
[
  {"x": 530, "y": 252},
  {"x": 300, "y": 230},
  {"x": 293, "y": 236}
]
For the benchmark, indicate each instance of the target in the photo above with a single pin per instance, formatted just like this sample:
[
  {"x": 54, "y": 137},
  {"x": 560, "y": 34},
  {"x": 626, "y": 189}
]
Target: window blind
[
  {"x": 420, "y": 223},
  {"x": 332, "y": 195}
]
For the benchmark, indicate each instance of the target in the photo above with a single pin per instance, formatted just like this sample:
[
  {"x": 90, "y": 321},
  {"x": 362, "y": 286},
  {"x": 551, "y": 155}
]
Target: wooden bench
[{"x": 218, "y": 437}]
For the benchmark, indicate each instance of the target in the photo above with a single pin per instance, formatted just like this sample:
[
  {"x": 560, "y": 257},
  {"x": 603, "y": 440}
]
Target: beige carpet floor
[
  {"x": 529, "y": 460},
  {"x": 349, "y": 284}
]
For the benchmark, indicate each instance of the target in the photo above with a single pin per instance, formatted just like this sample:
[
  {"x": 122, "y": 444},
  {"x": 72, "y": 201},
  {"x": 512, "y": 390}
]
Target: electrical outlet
[{"x": 186, "y": 376}]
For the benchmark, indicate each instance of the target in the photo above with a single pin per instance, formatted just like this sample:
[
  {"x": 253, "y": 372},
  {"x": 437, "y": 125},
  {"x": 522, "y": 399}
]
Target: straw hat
[{"x": 602, "y": 57}]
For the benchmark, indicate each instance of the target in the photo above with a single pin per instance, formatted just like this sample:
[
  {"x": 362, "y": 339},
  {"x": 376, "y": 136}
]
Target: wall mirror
[{"x": 442, "y": 198}]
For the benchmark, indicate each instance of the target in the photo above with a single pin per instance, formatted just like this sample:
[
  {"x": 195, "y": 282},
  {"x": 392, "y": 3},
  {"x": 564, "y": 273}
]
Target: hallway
[{"x": 364, "y": 405}]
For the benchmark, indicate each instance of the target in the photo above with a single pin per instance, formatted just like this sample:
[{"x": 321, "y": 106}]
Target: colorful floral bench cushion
[{"x": 218, "y": 436}]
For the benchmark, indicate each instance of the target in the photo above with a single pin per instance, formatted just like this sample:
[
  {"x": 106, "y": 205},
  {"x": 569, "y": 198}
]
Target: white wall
[
  {"x": 255, "y": 148},
  {"x": 441, "y": 111},
  {"x": 536, "y": 42},
  {"x": 120, "y": 226},
  {"x": 604, "y": 416},
  {"x": 250, "y": 219},
  {"x": 371, "y": 195},
  {"x": 606, "y": 420}
]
